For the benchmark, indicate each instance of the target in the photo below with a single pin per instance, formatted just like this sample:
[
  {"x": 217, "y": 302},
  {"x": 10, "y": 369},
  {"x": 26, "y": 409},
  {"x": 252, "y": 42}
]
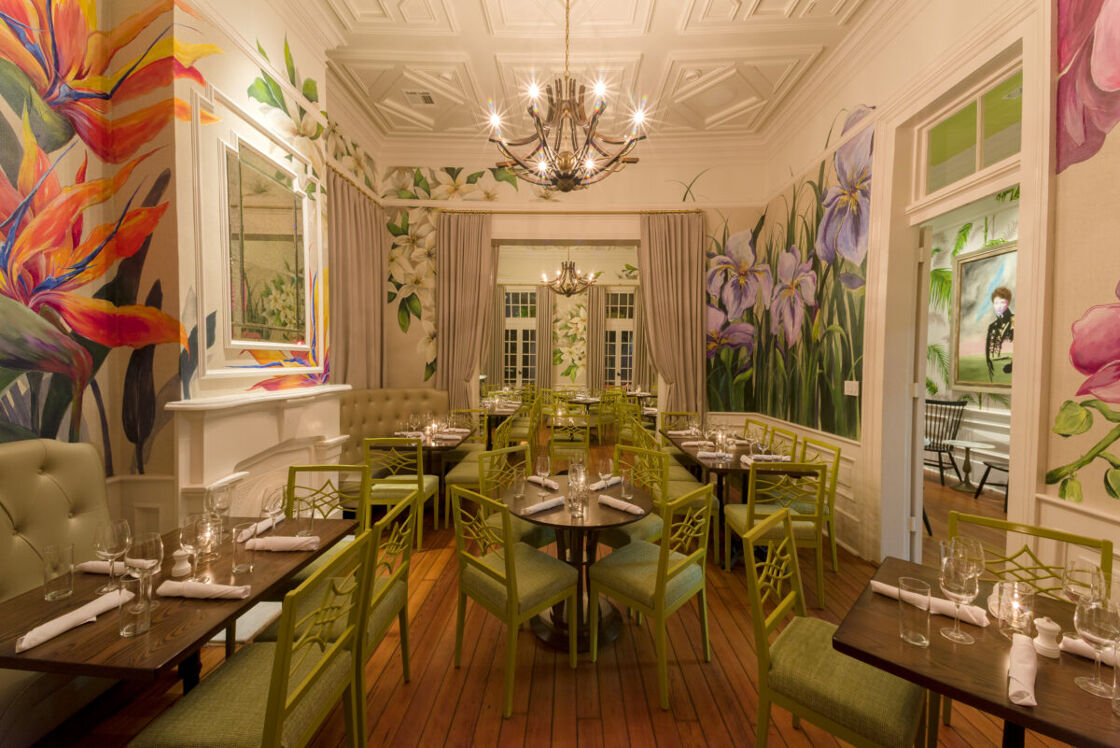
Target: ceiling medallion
[{"x": 565, "y": 152}]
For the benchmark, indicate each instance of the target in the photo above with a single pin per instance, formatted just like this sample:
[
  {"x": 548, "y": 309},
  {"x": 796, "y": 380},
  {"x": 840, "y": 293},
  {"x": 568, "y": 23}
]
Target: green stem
[{"x": 1065, "y": 471}]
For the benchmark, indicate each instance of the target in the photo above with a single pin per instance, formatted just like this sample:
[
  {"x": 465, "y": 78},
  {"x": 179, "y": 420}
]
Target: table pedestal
[{"x": 966, "y": 485}]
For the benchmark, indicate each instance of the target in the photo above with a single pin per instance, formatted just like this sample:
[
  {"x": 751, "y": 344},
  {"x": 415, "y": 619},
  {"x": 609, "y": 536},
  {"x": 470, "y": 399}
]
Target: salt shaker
[
  {"x": 182, "y": 565},
  {"x": 1046, "y": 643}
]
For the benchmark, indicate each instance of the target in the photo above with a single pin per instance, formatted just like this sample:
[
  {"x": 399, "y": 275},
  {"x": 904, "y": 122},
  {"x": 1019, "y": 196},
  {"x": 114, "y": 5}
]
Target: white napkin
[
  {"x": 1021, "y": 668},
  {"x": 88, "y": 613},
  {"x": 448, "y": 437},
  {"x": 262, "y": 526},
  {"x": 410, "y": 434},
  {"x": 619, "y": 504},
  {"x": 706, "y": 455},
  {"x": 547, "y": 482},
  {"x": 457, "y": 430},
  {"x": 649, "y": 412},
  {"x": 544, "y": 506},
  {"x": 939, "y": 605},
  {"x": 600, "y": 485},
  {"x": 697, "y": 444},
  {"x": 749, "y": 459},
  {"x": 682, "y": 432},
  {"x": 94, "y": 567},
  {"x": 1080, "y": 648},
  {"x": 737, "y": 440},
  {"x": 202, "y": 590},
  {"x": 284, "y": 543}
]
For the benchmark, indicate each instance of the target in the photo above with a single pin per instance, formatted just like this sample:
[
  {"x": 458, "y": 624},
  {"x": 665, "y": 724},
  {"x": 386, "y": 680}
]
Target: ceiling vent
[{"x": 420, "y": 98}]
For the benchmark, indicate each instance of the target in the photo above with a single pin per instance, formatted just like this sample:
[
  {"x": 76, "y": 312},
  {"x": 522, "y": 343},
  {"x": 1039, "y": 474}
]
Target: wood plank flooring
[{"x": 611, "y": 703}]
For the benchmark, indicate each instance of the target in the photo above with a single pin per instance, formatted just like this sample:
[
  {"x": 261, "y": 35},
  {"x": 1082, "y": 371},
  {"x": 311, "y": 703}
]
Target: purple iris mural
[
  {"x": 847, "y": 205},
  {"x": 737, "y": 277},
  {"x": 795, "y": 290},
  {"x": 721, "y": 335}
]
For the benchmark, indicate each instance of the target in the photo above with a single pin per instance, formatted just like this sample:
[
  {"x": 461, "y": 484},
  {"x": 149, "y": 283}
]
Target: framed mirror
[{"x": 268, "y": 290}]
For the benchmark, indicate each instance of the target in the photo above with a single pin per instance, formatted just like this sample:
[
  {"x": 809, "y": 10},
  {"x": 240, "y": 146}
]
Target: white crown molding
[
  {"x": 348, "y": 107},
  {"x": 313, "y": 22},
  {"x": 757, "y": 23}
]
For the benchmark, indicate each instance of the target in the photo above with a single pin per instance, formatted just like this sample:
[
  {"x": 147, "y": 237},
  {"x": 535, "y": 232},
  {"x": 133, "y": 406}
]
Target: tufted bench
[{"x": 50, "y": 492}]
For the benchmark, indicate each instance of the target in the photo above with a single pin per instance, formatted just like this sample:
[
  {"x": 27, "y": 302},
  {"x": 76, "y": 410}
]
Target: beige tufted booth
[
  {"x": 50, "y": 492},
  {"x": 379, "y": 412}
]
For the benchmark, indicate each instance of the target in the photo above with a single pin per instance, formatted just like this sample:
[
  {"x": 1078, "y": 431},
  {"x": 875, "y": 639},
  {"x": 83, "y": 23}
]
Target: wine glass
[
  {"x": 1097, "y": 621},
  {"x": 111, "y": 540},
  {"x": 606, "y": 469},
  {"x": 544, "y": 469},
  {"x": 145, "y": 559},
  {"x": 972, "y": 551},
  {"x": 960, "y": 582},
  {"x": 272, "y": 505},
  {"x": 1081, "y": 578},
  {"x": 218, "y": 503},
  {"x": 188, "y": 541}
]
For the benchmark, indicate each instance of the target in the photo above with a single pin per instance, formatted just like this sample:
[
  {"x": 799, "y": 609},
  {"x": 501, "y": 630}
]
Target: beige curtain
[
  {"x": 467, "y": 264},
  {"x": 544, "y": 337},
  {"x": 596, "y": 331},
  {"x": 645, "y": 376},
  {"x": 357, "y": 252},
  {"x": 671, "y": 273},
  {"x": 492, "y": 361}
]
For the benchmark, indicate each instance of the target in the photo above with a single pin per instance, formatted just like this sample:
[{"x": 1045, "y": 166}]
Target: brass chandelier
[
  {"x": 565, "y": 152},
  {"x": 569, "y": 281}
]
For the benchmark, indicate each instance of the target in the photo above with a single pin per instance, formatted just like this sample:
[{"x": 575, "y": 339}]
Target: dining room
[{"x": 558, "y": 372}]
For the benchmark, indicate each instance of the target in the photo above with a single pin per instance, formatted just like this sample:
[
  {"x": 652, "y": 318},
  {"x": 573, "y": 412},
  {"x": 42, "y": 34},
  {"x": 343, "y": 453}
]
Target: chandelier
[
  {"x": 565, "y": 152},
  {"x": 568, "y": 280}
]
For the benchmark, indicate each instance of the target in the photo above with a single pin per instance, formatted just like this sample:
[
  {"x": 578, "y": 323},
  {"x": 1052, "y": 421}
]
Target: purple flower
[
  {"x": 722, "y": 335},
  {"x": 1089, "y": 85},
  {"x": 796, "y": 288},
  {"x": 1095, "y": 352},
  {"x": 847, "y": 205},
  {"x": 737, "y": 277}
]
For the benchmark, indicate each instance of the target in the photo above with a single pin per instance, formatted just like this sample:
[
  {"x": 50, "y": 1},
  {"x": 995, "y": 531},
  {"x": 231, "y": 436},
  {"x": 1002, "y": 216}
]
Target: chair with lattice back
[
  {"x": 569, "y": 437},
  {"x": 782, "y": 441},
  {"x": 818, "y": 451},
  {"x": 396, "y": 467},
  {"x": 498, "y": 470},
  {"x": 647, "y": 469},
  {"x": 756, "y": 429}
]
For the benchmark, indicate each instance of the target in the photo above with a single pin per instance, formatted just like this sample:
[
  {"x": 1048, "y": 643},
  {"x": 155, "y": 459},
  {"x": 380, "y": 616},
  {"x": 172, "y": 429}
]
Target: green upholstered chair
[
  {"x": 396, "y": 467},
  {"x": 497, "y": 470},
  {"x": 816, "y": 450},
  {"x": 782, "y": 441},
  {"x": 569, "y": 435},
  {"x": 510, "y": 579},
  {"x": 657, "y": 579},
  {"x": 798, "y": 487},
  {"x": 647, "y": 469},
  {"x": 465, "y": 474},
  {"x": 323, "y": 491},
  {"x": 801, "y": 672},
  {"x": 756, "y": 429},
  {"x": 677, "y": 420},
  {"x": 278, "y": 693}
]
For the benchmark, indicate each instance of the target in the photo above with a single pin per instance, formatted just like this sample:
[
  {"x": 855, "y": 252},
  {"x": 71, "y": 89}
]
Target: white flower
[
  {"x": 417, "y": 281},
  {"x": 486, "y": 188},
  {"x": 451, "y": 188},
  {"x": 427, "y": 345},
  {"x": 398, "y": 179}
]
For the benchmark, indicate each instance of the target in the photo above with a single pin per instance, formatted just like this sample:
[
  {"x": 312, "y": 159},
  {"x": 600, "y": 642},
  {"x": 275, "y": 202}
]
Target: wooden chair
[
  {"x": 569, "y": 436},
  {"x": 998, "y": 465},
  {"x": 757, "y": 430},
  {"x": 782, "y": 441},
  {"x": 657, "y": 579},
  {"x": 943, "y": 420},
  {"x": 510, "y": 579},
  {"x": 647, "y": 469},
  {"x": 497, "y": 471},
  {"x": 396, "y": 467},
  {"x": 278, "y": 693},
  {"x": 815, "y": 450},
  {"x": 802, "y": 673},
  {"x": 324, "y": 491}
]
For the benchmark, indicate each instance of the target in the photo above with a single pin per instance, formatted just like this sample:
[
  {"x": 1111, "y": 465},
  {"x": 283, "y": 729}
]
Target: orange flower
[{"x": 56, "y": 44}]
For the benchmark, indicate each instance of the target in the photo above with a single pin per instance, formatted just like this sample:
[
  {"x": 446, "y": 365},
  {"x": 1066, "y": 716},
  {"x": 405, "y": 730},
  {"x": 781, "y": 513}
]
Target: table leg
[
  {"x": 966, "y": 485},
  {"x": 718, "y": 524},
  {"x": 190, "y": 670},
  {"x": 1013, "y": 735}
]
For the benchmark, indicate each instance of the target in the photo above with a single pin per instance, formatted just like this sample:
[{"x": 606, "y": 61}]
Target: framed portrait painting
[{"x": 984, "y": 318}]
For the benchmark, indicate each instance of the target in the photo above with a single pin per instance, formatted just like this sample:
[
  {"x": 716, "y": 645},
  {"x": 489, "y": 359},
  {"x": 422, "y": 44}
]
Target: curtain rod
[{"x": 355, "y": 183}]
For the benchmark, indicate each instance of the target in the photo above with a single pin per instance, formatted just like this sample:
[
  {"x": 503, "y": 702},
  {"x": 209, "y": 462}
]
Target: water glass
[
  {"x": 58, "y": 571},
  {"x": 304, "y": 508},
  {"x": 518, "y": 487},
  {"x": 1016, "y": 608},
  {"x": 627, "y": 489},
  {"x": 913, "y": 611},
  {"x": 135, "y": 613},
  {"x": 242, "y": 554}
]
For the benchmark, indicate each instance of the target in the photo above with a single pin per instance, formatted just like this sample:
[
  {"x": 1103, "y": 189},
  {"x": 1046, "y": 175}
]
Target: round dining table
[{"x": 577, "y": 541}]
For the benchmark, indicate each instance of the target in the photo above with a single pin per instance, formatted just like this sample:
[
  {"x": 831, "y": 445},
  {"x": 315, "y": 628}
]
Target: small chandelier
[
  {"x": 565, "y": 152},
  {"x": 568, "y": 280}
]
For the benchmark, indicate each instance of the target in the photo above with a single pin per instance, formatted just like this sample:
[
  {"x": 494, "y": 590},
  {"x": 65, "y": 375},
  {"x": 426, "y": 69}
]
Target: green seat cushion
[
  {"x": 524, "y": 531},
  {"x": 388, "y": 492},
  {"x": 632, "y": 571},
  {"x": 648, "y": 528},
  {"x": 805, "y": 668},
  {"x": 540, "y": 577},
  {"x": 463, "y": 450},
  {"x": 295, "y": 579},
  {"x": 228, "y": 706},
  {"x": 464, "y": 474},
  {"x": 678, "y": 488},
  {"x": 680, "y": 472},
  {"x": 735, "y": 515}
]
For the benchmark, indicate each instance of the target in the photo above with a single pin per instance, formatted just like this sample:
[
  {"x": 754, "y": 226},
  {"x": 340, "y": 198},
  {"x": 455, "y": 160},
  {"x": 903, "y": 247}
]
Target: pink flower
[
  {"x": 1089, "y": 84},
  {"x": 1095, "y": 352}
]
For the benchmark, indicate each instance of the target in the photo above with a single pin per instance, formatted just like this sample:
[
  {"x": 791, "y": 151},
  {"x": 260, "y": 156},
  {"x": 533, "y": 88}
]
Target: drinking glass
[
  {"x": 1081, "y": 578},
  {"x": 135, "y": 612},
  {"x": 1097, "y": 621},
  {"x": 218, "y": 503},
  {"x": 606, "y": 468},
  {"x": 58, "y": 571},
  {"x": 188, "y": 541},
  {"x": 627, "y": 489},
  {"x": 959, "y": 583},
  {"x": 1015, "y": 608},
  {"x": 110, "y": 541},
  {"x": 242, "y": 553},
  {"x": 272, "y": 505},
  {"x": 913, "y": 611},
  {"x": 544, "y": 469},
  {"x": 304, "y": 507},
  {"x": 519, "y": 487},
  {"x": 145, "y": 559}
]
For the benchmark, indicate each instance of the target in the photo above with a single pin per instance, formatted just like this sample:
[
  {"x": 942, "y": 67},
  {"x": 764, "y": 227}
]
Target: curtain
[
  {"x": 645, "y": 376},
  {"x": 357, "y": 252},
  {"x": 494, "y": 339},
  {"x": 671, "y": 273},
  {"x": 596, "y": 333},
  {"x": 468, "y": 265},
  {"x": 544, "y": 337}
]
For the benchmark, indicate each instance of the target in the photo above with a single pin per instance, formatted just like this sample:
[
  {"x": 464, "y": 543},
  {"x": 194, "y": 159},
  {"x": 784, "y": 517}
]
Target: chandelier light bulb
[
  {"x": 495, "y": 120},
  {"x": 542, "y": 166},
  {"x": 589, "y": 164},
  {"x": 600, "y": 89},
  {"x": 639, "y": 117},
  {"x": 534, "y": 91}
]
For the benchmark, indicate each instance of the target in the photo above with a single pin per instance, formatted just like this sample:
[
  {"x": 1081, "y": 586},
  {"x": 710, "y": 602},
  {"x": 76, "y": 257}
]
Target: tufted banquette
[
  {"x": 380, "y": 412},
  {"x": 50, "y": 492}
]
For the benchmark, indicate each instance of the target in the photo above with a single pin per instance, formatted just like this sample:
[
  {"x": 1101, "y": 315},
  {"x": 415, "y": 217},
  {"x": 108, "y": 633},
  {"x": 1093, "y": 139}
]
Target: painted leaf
[
  {"x": 404, "y": 194},
  {"x": 404, "y": 319},
  {"x": 421, "y": 182},
  {"x": 289, "y": 63},
  {"x": 502, "y": 174},
  {"x": 1072, "y": 419},
  {"x": 260, "y": 91},
  {"x": 138, "y": 398},
  {"x": 472, "y": 178},
  {"x": 429, "y": 370},
  {"x": 310, "y": 91},
  {"x": 1070, "y": 490},
  {"x": 413, "y": 302},
  {"x": 1112, "y": 482},
  {"x": 52, "y": 130},
  {"x": 453, "y": 171}
]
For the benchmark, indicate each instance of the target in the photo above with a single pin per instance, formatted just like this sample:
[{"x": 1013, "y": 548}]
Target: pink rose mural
[{"x": 1089, "y": 80}]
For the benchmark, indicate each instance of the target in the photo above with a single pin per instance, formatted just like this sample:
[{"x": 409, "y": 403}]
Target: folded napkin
[
  {"x": 750, "y": 459},
  {"x": 284, "y": 543},
  {"x": 547, "y": 482},
  {"x": 619, "y": 504},
  {"x": 939, "y": 605},
  {"x": 683, "y": 432},
  {"x": 411, "y": 434},
  {"x": 1021, "y": 668},
  {"x": 262, "y": 526},
  {"x": 457, "y": 430},
  {"x": 649, "y": 411},
  {"x": 700, "y": 443},
  {"x": 93, "y": 567},
  {"x": 706, "y": 455},
  {"x": 88, "y": 613},
  {"x": 600, "y": 485},
  {"x": 1080, "y": 648},
  {"x": 737, "y": 440},
  {"x": 203, "y": 590},
  {"x": 448, "y": 437},
  {"x": 544, "y": 506}
]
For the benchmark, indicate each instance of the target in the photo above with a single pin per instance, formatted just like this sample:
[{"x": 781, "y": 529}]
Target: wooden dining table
[
  {"x": 976, "y": 674},
  {"x": 179, "y": 626}
]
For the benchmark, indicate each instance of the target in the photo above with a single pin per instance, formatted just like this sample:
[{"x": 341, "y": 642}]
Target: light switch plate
[{"x": 851, "y": 387}]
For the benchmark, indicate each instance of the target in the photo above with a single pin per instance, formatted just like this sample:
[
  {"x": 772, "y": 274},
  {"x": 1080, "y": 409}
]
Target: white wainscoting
[{"x": 1051, "y": 511}]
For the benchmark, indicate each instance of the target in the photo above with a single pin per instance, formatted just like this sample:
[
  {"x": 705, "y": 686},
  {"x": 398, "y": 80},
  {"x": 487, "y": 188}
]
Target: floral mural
[
  {"x": 72, "y": 248},
  {"x": 785, "y": 299},
  {"x": 1089, "y": 82},
  {"x": 569, "y": 337}
]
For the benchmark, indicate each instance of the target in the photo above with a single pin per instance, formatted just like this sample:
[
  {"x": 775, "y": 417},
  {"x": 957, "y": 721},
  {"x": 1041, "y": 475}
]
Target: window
[
  {"x": 519, "y": 348},
  {"x": 618, "y": 348}
]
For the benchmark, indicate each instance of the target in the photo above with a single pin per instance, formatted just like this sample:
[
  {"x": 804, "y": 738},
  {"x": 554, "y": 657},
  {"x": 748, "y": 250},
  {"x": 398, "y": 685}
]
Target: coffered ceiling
[{"x": 428, "y": 68}]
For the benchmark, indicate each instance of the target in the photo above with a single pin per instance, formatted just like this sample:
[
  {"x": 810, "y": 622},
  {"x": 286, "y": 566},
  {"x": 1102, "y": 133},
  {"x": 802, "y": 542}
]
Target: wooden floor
[{"x": 610, "y": 703}]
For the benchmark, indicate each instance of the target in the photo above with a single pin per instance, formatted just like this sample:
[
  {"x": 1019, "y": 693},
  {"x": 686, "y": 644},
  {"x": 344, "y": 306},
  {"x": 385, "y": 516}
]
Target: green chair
[
  {"x": 815, "y": 450},
  {"x": 465, "y": 474},
  {"x": 677, "y": 420},
  {"x": 756, "y": 429},
  {"x": 278, "y": 693},
  {"x": 396, "y": 466},
  {"x": 798, "y": 487},
  {"x": 782, "y": 441},
  {"x": 647, "y": 469},
  {"x": 497, "y": 471},
  {"x": 510, "y": 579},
  {"x": 657, "y": 579},
  {"x": 323, "y": 491},
  {"x": 802, "y": 673},
  {"x": 569, "y": 436}
]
